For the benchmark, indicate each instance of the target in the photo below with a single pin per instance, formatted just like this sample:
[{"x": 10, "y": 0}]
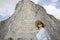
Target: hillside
[{"x": 21, "y": 23}]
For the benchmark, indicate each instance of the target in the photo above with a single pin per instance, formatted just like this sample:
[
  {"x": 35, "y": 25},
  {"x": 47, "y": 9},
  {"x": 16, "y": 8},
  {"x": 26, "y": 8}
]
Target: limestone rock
[{"x": 22, "y": 23}]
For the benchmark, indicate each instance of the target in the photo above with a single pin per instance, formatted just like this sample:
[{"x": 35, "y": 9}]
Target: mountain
[{"x": 22, "y": 23}]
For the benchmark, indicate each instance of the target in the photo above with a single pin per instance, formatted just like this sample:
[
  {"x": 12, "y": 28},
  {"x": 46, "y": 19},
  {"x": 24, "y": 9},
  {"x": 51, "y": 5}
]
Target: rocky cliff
[{"x": 22, "y": 23}]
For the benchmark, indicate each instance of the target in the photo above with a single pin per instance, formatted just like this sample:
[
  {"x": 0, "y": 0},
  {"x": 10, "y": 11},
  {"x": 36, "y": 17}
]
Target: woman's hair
[{"x": 38, "y": 22}]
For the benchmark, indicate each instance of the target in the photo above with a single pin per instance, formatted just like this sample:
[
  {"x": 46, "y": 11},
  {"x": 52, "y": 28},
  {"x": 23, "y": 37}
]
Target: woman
[{"x": 41, "y": 35}]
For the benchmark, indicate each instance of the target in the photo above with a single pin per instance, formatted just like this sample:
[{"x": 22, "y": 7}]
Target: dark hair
[{"x": 38, "y": 22}]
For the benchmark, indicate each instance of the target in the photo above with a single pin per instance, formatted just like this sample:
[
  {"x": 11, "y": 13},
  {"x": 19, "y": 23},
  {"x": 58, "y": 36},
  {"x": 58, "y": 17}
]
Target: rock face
[
  {"x": 22, "y": 23},
  {"x": 3, "y": 29}
]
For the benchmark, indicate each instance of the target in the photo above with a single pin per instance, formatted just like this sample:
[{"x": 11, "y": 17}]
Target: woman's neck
[{"x": 40, "y": 27}]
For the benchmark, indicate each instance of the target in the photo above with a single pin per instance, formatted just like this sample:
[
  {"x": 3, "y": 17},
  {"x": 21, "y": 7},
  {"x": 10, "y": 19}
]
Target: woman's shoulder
[{"x": 42, "y": 29}]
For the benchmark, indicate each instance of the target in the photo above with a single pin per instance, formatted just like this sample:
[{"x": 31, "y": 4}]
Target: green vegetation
[
  {"x": 10, "y": 38},
  {"x": 19, "y": 39}
]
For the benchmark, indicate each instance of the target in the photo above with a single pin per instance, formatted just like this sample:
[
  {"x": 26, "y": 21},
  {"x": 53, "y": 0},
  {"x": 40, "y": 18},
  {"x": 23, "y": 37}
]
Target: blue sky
[{"x": 7, "y": 7}]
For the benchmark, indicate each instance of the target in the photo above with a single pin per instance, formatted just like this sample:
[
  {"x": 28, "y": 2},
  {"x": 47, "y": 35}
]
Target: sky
[{"x": 7, "y": 7}]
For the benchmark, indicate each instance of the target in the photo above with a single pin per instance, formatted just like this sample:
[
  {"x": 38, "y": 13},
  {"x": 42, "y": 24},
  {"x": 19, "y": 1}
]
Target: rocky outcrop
[
  {"x": 22, "y": 23},
  {"x": 3, "y": 29}
]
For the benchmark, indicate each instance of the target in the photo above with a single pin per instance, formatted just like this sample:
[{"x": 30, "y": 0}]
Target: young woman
[{"x": 41, "y": 35}]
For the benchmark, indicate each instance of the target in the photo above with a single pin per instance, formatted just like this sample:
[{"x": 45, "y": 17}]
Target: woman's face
[{"x": 40, "y": 25}]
